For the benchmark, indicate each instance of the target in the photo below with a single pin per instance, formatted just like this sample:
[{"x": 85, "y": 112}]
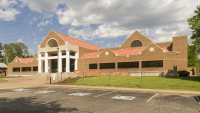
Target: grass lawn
[
  {"x": 177, "y": 83},
  {"x": 1, "y": 80}
]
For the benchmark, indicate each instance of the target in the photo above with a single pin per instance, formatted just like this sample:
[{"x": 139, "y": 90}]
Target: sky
[{"x": 105, "y": 23}]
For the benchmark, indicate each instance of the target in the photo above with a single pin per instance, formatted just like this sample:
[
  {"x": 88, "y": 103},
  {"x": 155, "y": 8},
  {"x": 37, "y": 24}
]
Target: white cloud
[
  {"x": 108, "y": 45},
  {"x": 20, "y": 40},
  {"x": 103, "y": 31},
  {"x": 40, "y": 29},
  {"x": 30, "y": 50},
  {"x": 47, "y": 19},
  {"x": 160, "y": 20},
  {"x": 33, "y": 20},
  {"x": 101, "y": 42},
  {"x": 35, "y": 40},
  {"x": 8, "y": 13}
]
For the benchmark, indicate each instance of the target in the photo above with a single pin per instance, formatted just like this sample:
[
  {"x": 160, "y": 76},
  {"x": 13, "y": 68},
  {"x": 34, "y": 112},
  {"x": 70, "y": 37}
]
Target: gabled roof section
[
  {"x": 156, "y": 47},
  {"x": 136, "y": 36},
  {"x": 26, "y": 59},
  {"x": 128, "y": 51},
  {"x": 78, "y": 42}
]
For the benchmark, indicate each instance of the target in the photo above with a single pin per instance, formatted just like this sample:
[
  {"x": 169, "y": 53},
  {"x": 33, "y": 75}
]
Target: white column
[
  {"x": 39, "y": 63},
  {"x": 76, "y": 61},
  {"x": 46, "y": 63},
  {"x": 67, "y": 61},
  {"x": 59, "y": 61}
]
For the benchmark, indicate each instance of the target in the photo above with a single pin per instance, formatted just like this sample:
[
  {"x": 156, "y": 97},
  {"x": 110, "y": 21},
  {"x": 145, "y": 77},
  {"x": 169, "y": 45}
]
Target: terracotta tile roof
[
  {"x": 120, "y": 52},
  {"x": 26, "y": 59},
  {"x": 78, "y": 42},
  {"x": 166, "y": 48},
  {"x": 89, "y": 55},
  {"x": 128, "y": 51}
]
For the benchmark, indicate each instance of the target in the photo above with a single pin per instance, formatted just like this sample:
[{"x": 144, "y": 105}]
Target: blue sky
[{"x": 105, "y": 23}]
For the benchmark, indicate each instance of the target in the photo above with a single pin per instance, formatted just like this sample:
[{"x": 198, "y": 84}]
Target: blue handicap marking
[
  {"x": 134, "y": 69},
  {"x": 20, "y": 89},
  {"x": 44, "y": 91},
  {"x": 123, "y": 97},
  {"x": 80, "y": 94}
]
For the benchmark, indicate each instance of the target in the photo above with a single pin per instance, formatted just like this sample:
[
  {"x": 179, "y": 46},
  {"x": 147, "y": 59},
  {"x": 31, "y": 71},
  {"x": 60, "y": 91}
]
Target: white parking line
[
  {"x": 152, "y": 97},
  {"x": 105, "y": 94}
]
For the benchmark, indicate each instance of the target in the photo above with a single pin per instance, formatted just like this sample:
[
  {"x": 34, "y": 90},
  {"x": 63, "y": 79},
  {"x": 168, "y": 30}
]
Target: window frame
[
  {"x": 15, "y": 68},
  {"x": 131, "y": 64},
  {"x": 35, "y": 67},
  {"x": 109, "y": 65},
  {"x": 93, "y": 64},
  {"x": 152, "y": 64},
  {"x": 136, "y": 43},
  {"x": 26, "y": 69}
]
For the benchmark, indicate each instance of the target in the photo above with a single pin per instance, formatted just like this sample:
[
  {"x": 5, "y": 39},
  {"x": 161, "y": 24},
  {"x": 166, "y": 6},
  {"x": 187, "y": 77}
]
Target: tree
[
  {"x": 2, "y": 58},
  {"x": 194, "y": 49},
  {"x": 194, "y": 23},
  {"x": 192, "y": 56},
  {"x": 12, "y": 50}
]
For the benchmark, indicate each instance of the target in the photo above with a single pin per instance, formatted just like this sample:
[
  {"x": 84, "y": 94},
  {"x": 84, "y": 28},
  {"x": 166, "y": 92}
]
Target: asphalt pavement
[{"x": 71, "y": 100}]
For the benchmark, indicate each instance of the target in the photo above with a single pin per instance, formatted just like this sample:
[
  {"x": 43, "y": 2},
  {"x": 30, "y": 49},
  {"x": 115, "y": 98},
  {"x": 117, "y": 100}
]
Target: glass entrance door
[
  {"x": 72, "y": 65},
  {"x": 54, "y": 65}
]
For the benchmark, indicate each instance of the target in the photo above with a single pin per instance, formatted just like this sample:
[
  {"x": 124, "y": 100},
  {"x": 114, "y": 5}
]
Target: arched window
[
  {"x": 136, "y": 43},
  {"x": 52, "y": 43}
]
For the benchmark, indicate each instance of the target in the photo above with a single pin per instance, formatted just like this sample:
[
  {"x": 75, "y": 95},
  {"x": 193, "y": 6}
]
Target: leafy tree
[
  {"x": 2, "y": 59},
  {"x": 194, "y": 23},
  {"x": 192, "y": 56},
  {"x": 12, "y": 50},
  {"x": 194, "y": 50}
]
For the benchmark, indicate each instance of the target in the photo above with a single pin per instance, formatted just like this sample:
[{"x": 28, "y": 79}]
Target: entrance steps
[{"x": 57, "y": 77}]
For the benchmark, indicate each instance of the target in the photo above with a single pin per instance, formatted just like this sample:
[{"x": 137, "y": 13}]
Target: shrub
[
  {"x": 92, "y": 75},
  {"x": 68, "y": 77},
  {"x": 183, "y": 73}
]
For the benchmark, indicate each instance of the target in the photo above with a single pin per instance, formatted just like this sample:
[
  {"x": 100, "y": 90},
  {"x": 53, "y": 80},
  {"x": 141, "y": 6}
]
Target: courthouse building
[{"x": 59, "y": 53}]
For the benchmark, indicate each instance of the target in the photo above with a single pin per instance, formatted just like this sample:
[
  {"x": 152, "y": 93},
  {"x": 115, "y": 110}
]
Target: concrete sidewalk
[{"x": 170, "y": 92}]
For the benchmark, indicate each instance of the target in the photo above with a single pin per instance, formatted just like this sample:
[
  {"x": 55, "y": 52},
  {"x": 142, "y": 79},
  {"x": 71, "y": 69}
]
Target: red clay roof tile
[
  {"x": 128, "y": 51},
  {"x": 78, "y": 42},
  {"x": 26, "y": 59},
  {"x": 120, "y": 52}
]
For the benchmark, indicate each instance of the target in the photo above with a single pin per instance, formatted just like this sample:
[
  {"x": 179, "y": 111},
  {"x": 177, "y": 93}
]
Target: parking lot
[{"x": 53, "y": 100}]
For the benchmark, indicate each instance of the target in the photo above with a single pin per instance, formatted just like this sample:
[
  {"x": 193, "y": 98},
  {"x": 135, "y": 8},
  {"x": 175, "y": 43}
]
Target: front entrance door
[
  {"x": 72, "y": 62},
  {"x": 54, "y": 66}
]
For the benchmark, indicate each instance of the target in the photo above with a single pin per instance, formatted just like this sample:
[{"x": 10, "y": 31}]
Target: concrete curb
[{"x": 171, "y": 92}]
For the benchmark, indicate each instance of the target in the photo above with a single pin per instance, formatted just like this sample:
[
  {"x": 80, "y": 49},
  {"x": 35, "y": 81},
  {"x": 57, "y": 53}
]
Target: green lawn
[
  {"x": 177, "y": 83},
  {"x": 1, "y": 80}
]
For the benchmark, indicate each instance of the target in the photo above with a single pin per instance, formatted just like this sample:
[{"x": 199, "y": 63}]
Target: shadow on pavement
[{"x": 29, "y": 105}]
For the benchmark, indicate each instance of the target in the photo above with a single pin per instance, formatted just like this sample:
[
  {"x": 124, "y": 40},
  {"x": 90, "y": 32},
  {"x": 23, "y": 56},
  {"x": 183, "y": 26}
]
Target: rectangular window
[
  {"x": 26, "y": 68},
  {"x": 158, "y": 63},
  {"x": 107, "y": 65},
  {"x": 17, "y": 69},
  {"x": 92, "y": 66},
  {"x": 35, "y": 68},
  {"x": 128, "y": 65}
]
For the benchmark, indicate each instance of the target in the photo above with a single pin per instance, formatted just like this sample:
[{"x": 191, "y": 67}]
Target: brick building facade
[{"x": 134, "y": 55}]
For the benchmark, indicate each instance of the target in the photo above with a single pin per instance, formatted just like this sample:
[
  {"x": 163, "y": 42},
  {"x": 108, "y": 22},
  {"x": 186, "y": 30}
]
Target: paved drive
[{"x": 63, "y": 100}]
